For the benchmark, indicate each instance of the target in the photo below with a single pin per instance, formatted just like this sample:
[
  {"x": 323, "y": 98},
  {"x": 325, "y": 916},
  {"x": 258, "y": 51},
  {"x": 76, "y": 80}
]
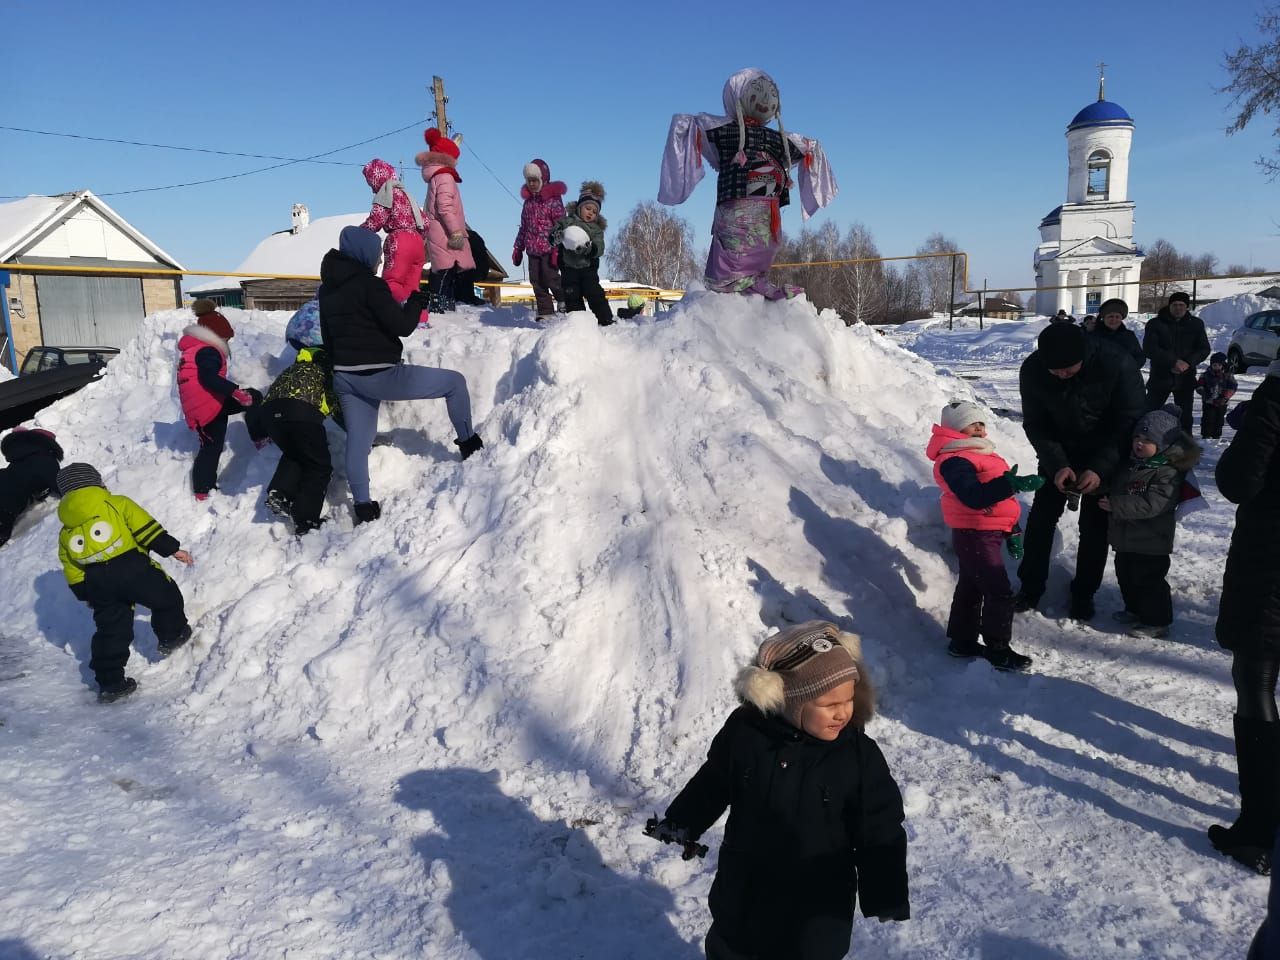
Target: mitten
[
  {"x": 1013, "y": 542},
  {"x": 1027, "y": 484},
  {"x": 555, "y": 256},
  {"x": 457, "y": 240},
  {"x": 516, "y": 256},
  {"x": 242, "y": 397}
]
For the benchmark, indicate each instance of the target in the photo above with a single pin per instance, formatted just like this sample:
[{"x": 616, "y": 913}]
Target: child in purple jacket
[{"x": 542, "y": 208}]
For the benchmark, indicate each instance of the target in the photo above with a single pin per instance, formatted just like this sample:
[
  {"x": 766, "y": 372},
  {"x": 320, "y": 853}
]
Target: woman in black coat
[
  {"x": 1110, "y": 328},
  {"x": 1249, "y": 622}
]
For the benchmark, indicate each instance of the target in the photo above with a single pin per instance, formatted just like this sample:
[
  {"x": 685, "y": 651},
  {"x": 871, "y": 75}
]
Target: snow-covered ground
[{"x": 439, "y": 735}]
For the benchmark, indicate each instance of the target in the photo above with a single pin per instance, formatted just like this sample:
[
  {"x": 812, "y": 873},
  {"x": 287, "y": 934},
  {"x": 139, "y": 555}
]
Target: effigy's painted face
[{"x": 760, "y": 99}]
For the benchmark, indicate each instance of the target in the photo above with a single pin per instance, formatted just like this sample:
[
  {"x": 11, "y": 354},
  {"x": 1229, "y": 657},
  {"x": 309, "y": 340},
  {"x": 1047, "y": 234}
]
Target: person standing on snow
[
  {"x": 543, "y": 207},
  {"x": 1216, "y": 386},
  {"x": 1110, "y": 328},
  {"x": 447, "y": 246},
  {"x": 1176, "y": 342},
  {"x": 403, "y": 252},
  {"x": 1248, "y": 624},
  {"x": 1080, "y": 401},
  {"x": 361, "y": 326},
  {"x": 580, "y": 261}
]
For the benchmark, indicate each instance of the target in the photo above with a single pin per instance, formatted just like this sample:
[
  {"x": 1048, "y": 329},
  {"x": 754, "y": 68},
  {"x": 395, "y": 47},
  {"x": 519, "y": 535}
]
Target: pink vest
[
  {"x": 199, "y": 406},
  {"x": 1000, "y": 516}
]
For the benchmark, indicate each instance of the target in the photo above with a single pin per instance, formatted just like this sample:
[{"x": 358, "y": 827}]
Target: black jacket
[
  {"x": 1084, "y": 422},
  {"x": 360, "y": 322},
  {"x": 1124, "y": 338},
  {"x": 1249, "y": 474},
  {"x": 34, "y": 460},
  {"x": 1168, "y": 340},
  {"x": 811, "y": 824}
]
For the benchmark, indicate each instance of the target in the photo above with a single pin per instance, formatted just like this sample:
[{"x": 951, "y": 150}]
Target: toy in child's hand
[{"x": 667, "y": 832}]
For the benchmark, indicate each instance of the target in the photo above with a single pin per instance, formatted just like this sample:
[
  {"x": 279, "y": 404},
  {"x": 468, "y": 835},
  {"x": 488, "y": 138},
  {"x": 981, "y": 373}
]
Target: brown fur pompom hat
[{"x": 800, "y": 664}]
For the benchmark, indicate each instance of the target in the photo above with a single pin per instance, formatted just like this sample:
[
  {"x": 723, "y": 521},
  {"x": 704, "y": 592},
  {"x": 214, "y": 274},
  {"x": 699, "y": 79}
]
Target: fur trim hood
[
  {"x": 205, "y": 335},
  {"x": 550, "y": 190},
  {"x": 1184, "y": 453},
  {"x": 434, "y": 158},
  {"x": 763, "y": 689}
]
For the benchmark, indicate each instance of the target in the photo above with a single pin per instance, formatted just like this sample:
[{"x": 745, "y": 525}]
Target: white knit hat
[{"x": 958, "y": 414}]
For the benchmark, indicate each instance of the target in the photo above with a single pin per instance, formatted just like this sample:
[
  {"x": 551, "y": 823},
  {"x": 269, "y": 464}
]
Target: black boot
[
  {"x": 1004, "y": 657},
  {"x": 470, "y": 445},
  {"x": 117, "y": 691},
  {"x": 166, "y": 647},
  {"x": 1250, "y": 838},
  {"x": 368, "y": 512}
]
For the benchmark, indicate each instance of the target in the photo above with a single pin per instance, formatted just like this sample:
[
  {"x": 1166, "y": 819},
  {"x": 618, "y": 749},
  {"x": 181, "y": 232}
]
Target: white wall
[{"x": 86, "y": 233}]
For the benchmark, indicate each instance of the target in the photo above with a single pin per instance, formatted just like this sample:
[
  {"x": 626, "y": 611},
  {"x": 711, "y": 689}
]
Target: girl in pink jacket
[
  {"x": 447, "y": 248},
  {"x": 543, "y": 207},
  {"x": 978, "y": 504},
  {"x": 403, "y": 252}
]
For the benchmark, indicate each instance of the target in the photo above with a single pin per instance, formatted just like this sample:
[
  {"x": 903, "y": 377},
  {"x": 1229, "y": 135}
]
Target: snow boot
[
  {"x": 368, "y": 512},
  {"x": 1150, "y": 631},
  {"x": 117, "y": 691},
  {"x": 303, "y": 527},
  {"x": 1250, "y": 838},
  {"x": 470, "y": 445},
  {"x": 279, "y": 504},
  {"x": 1007, "y": 659},
  {"x": 1081, "y": 609},
  {"x": 1024, "y": 602},
  {"x": 1125, "y": 617},
  {"x": 971, "y": 648},
  {"x": 166, "y": 647}
]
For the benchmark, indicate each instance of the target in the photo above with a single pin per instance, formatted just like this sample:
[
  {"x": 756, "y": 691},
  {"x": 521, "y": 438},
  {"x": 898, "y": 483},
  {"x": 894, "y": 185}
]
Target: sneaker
[
  {"x": 279, "y": 504},
  {"x": 470, "y": 445},
  {"x": 368, "y": 512},
  {"x": 117, "y": 691},
  {"x": 1150, "y": 630},
  {"x": 167, "y": 647},
  {"x": 971, "y": 648},
  {"x": 1023, "y": 602},
  {"x": 1008, "y": 660},
  {"x": 1125, "y": 616},
  {"x": 1082, "y": 609}
]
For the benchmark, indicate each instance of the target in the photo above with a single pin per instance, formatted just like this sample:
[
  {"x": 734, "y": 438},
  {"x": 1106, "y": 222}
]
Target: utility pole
[{"x": 441, "y": 118}]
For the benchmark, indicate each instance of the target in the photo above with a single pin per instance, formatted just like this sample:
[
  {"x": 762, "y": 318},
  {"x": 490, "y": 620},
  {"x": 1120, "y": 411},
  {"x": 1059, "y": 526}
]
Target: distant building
[
  {"x": 295, "y": 252},
  {"x": 70, "y": 309},
  {"x": 996, "y": 308},
  {"x": 1088, "y": 240}
]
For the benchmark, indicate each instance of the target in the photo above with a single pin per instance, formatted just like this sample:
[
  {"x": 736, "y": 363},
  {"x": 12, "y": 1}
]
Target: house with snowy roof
[
  {"x": 70, "y": 307},
  {"x": 289, "y": 262}
]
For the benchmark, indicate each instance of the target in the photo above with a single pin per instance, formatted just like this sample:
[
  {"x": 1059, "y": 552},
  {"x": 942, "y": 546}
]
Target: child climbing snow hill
[
  {"x": 815, "y": 817},
  {"x": 34, "y": 458}
]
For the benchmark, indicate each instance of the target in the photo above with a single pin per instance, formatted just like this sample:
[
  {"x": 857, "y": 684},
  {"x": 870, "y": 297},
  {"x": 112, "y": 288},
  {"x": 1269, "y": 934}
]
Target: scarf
[{"x": 386, "y": 197}]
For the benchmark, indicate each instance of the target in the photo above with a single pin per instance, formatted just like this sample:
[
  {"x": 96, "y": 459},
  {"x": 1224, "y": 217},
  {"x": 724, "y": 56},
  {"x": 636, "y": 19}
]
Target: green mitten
[
  {"x": 1013, "y": 543},
  {"x": 1028, "y": 484}
]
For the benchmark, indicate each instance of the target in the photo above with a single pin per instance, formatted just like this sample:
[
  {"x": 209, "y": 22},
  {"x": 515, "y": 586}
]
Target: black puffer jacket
[
  {"x": 360, "y": 322},
  {"x": 1122, "y": 338},
  {"x": 1249, "y": 474},
  {"x": 34, "y": 458},
  {"x": 1084, "y": 422},
  {"x": 1168, "y": 340},
  {"x": 812, "y": 823},
  {"x": 1144, "y": 500}
]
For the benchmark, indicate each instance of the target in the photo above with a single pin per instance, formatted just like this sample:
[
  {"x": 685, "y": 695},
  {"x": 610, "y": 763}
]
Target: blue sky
[{"x": 936, "y": 116}]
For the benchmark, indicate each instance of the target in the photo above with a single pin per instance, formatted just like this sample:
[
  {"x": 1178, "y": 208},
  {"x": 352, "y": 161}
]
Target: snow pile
[
  {"x": 1223, "y": 318},
  {"x": 438, "y": 734},
  {"x": 6, "y": 373}
]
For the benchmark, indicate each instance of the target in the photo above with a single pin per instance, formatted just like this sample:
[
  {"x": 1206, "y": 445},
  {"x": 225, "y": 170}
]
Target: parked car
[
  {"x": 49, "y": 374},
  {"x": 1256, "y": 343}
]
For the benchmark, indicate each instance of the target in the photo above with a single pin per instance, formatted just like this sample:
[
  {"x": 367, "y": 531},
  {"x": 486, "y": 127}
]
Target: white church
[{"x": 1086, "y": 245}]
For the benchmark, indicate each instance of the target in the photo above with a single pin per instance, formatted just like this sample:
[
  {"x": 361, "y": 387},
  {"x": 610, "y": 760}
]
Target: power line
[
  {"x": 249, "y": 173},
  {"x": 467, "y": 143},
  {"x": 165, "y": 146}
]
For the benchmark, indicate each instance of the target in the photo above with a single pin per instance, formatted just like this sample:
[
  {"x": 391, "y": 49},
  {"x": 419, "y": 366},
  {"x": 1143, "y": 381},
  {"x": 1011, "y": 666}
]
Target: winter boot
[
  {"x": 470, "y": 445},
  {"x": 117, "y": 691},
  {"x": 368, "y": 512},
  {"x": 1007, "y": 659},
  {"x": 970, "y": 648},
  {"x": 1024, "y": 602},
  {"x": 166, "y": 647},
  {"x": 1081, "y": 609},
  {"x": 1125, "y": 617},
  {"x": 1150, "y": 631},
  {"x": 1250, "y": 838},
  {"x": 303, "y": 527},
  {"x": 279, "y": 504}
]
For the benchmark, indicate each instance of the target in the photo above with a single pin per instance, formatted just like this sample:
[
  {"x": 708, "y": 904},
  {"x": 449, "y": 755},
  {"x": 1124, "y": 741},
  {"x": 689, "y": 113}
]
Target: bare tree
[
  {"x": 939, "y": 292},
  {"x": 1162, "y": 263},
  {"x": 655, "y": 247},
  {"x": 1255, "y": 82},
  {"x": 860, "y": 293},
  {"x": 1013, "y": 296}
]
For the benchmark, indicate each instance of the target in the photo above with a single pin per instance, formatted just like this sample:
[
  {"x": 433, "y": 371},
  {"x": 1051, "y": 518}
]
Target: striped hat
[
  {"x": 76, "y": 475},
  {"x": 810, "y": 659}
]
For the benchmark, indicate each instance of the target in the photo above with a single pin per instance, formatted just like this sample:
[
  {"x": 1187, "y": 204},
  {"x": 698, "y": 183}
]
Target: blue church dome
[{"x": 1101, "y": 113}]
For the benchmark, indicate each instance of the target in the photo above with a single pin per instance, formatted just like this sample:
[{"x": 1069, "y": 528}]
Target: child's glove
[
  {"x": 516, "y": 256},
  {"x": 1013, "y": 543},
  {"x": 667, "y": 832},
  {"x": 555, "y": 256},
  {"x": 242, "y": 397},
  {"x": 456, "y": 241},
  {"x": 1027, "y": 484}
]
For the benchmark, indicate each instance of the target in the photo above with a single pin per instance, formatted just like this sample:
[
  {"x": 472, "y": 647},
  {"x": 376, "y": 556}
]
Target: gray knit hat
[
  {"x": 76, "y": 475},
  {"x": 1162, "y": 427}
]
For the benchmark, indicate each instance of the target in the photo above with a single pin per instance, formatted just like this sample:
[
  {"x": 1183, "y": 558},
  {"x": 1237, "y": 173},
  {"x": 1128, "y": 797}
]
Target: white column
[
  {"x": 1064, "y": 296},
  {"x": 1107, "y": 294}
]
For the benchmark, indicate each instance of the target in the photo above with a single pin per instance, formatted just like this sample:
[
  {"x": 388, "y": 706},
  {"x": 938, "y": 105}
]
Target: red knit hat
[
  {"x": 216, "y": 323},
  {"x": 439, "y": 143}
]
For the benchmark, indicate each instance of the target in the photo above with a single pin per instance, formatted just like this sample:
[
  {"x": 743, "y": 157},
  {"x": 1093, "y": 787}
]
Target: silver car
[{"x": 1256, "y": 343}]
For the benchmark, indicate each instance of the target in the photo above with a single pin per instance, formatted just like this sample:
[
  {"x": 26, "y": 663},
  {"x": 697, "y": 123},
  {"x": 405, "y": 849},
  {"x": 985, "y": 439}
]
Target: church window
[{"x": 1099, "y": 174}]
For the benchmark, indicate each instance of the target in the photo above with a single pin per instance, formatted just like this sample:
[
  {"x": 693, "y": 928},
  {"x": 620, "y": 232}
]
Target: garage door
[{"x": 89, "y": 311}]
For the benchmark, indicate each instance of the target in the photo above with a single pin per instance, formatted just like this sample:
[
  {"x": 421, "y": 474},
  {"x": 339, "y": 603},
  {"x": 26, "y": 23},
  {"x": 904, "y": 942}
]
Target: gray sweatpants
[{"x": 362, "y": 394}]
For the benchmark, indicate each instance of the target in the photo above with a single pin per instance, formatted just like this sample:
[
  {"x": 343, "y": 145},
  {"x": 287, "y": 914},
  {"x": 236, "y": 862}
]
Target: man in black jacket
[
  {"x": 1176, "y": 342},
  {"x": 1080, "y": 400}
]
